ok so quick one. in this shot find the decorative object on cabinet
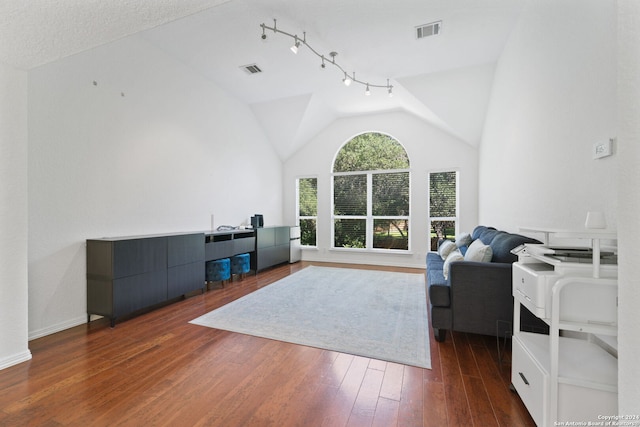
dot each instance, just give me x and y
(257, 221)
(568, 375)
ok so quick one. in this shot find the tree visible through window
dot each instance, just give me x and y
(371, 194)
(308, 210)
(443, 206)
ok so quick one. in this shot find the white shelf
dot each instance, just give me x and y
(595, 236)
(592, 328)
(580, 363)
(586, 233)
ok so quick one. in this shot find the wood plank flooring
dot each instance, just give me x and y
(156, 369)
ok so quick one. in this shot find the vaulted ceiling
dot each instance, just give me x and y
(445, 80)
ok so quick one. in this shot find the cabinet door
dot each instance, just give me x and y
(266, 237)
(282, 236)
(265, 258)
(185, 249)
(136, 256)
(282, 254)
(140, 291)
(529, 380)
(185, 278)
(244, 243)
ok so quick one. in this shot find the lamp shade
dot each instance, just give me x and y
(595, 220)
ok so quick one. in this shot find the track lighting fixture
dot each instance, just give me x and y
(347, 80)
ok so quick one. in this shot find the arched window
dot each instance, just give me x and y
(371, 194)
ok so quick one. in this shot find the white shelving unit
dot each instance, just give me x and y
(570, 374)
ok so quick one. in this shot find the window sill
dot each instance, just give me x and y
(372, 251)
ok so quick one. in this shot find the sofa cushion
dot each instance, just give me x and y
(479, 252)
(488, 235)
(453, 256)
(504, 242)
(479, 230)
(445, 248)
(463, 239)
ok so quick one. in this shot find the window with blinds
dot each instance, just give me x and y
(443, 206)
(307, 217)
(371, 189)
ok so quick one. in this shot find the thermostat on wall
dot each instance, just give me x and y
(602, 149)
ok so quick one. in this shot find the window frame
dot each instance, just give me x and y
(456, 218)
(306, 217)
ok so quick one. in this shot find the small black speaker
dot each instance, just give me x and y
(257, 221)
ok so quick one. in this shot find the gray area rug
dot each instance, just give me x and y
(376, 314)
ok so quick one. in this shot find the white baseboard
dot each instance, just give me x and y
(39, 333)
(15, 359)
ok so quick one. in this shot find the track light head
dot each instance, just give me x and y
(296, 45)
(367, 91)
(347, 80)
(264, 36)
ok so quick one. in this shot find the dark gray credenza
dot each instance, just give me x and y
(128, 274)
(272, 247)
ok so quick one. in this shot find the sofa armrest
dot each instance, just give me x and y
(481, 294)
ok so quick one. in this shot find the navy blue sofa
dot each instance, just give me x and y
(476, 295)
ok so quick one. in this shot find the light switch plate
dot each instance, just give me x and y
(602, 149)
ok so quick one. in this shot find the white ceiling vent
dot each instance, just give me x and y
(251, 69)
(426, 30)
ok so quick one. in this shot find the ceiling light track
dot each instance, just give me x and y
(347, 80)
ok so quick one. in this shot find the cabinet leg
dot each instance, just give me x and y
(113, 322)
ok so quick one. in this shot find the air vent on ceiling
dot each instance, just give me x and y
(251, 69)
(426, 30)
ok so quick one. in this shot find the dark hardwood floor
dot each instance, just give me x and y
(157, 369)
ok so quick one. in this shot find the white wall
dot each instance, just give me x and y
(629, 205)
(13, 217)
(164, 157)
(554, 96)
(429, 150)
